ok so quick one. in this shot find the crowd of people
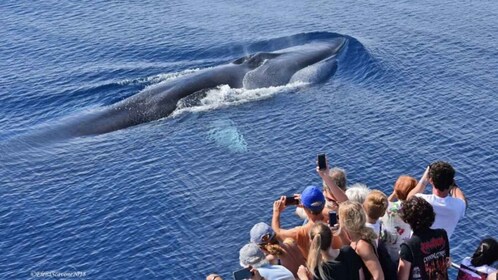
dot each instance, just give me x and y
(358, 233)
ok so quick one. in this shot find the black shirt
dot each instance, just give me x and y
(427, 251)
(345, 266)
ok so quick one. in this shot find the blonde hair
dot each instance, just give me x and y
(352, 217)
(403, 186)
(321, 239)
(375, 204)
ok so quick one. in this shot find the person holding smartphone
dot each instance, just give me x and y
(253, 259)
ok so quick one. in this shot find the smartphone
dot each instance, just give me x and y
(291, 200)
(332, 218)
(242, 274)
(322, 162)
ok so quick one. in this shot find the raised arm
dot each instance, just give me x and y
(337, 192)
(456, 192)
(421, 185)
(278, 207)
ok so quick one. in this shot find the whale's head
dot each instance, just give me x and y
(282, 66)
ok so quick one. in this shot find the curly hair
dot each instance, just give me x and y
(418, 213)
(442, 175)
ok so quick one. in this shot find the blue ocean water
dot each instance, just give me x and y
(175, 198)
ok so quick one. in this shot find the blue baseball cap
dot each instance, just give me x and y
(312, 198)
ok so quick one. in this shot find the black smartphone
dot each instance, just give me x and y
(332, 218)
(322, 162)
(291, 200)
(242, 274)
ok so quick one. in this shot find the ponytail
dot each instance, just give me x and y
(321, 239)
(314, 255)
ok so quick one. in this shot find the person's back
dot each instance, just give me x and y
(326, 263)
(449, 210)
(425, 255)
(394, 230)
(275, 272)
(344, 266)
(285, 253)
(313, 202)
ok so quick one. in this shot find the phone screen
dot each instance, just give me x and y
(290, 200)
(322, 163)
(242, 274)
(332, 218)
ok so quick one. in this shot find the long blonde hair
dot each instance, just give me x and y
(352, 217)
(321, 238)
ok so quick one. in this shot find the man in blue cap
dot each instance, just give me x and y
(312, 201)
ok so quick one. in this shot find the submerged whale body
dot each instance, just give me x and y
(263, 69)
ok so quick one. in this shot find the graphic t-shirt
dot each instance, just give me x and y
(427, 251)
(394, 230)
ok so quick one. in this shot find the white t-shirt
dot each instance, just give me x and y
(467, 274)
(449, 211)
(375, 227)
(275, 272)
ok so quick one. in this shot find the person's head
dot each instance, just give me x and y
(486, 253)
(403, 186)
(313, 200)
(338, 176)
(321, 239)
(442, 175)
(352, 218)
(263, 235)
(357, 192)
(213, 276)
(251, 255)
(375, 204)
(418, 213)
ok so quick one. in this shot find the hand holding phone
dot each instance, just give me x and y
(291, 200)
(322, 162)
(242, 274)
(332, 218)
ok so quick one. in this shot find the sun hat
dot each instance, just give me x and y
(259, 231)
(313, 199)
(250, 254)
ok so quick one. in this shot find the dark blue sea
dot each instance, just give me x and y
(175, 198)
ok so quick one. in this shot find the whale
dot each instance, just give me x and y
(315, 61)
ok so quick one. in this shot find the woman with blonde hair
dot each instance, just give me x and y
(394, 230)
(352, 219)
(324, 262)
